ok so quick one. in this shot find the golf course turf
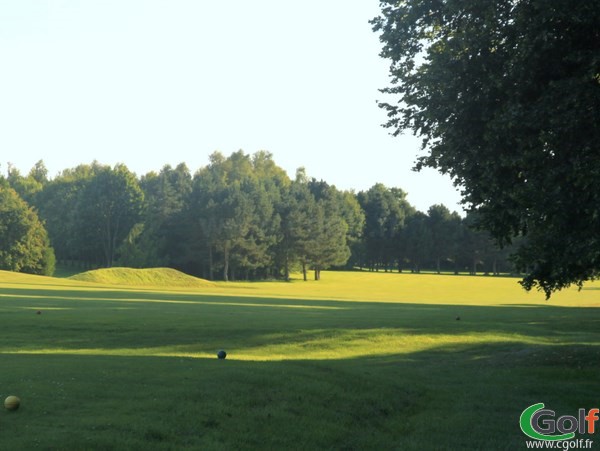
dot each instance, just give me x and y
(355, 361)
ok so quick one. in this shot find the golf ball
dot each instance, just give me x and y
(12, 403)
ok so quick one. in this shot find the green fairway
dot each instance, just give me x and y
(354, 361)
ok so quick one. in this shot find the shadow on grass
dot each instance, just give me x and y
(425, 376)
(454, 397)
(201, 324)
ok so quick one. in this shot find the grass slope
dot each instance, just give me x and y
(356, 361)
(152, 277)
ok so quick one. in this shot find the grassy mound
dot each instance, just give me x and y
(154, 277)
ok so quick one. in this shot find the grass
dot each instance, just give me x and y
(149, 277)
(355, 361)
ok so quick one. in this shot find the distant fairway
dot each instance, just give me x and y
(355, 361)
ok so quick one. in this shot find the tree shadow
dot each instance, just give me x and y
(452, 397)
(202, 323)
(420, 379)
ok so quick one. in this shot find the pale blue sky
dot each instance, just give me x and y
(154, 82)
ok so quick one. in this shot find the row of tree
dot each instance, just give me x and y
(238, 217)
(398, 236)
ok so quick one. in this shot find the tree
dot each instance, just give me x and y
(24, 243)
(39, 173)
(475, 244)
(259, 250)
(354, 217)
(57, 205)
(161, 238)
(385, 211)
(506, 96)
(109, 205)
(417, 239)
(222, 209)
(443, 233)
(232, 209)
(328, 246)
(28, 187)
(296, 211)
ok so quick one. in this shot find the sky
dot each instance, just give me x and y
(154, 82)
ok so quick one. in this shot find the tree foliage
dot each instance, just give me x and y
(248, 219)
(57, 205)
(160, 238)
(89, 211)
(242, 217)
(24, 243)
(397, 236)
(327, 242)
(385, 212)
(28, 187)
(108, 207)
(506, 96)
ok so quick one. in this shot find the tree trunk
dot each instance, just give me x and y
(287, 269)
(113, 247)
(226, 263)
(304, 271)
(317, 273)
(210, 263)
(106, 243)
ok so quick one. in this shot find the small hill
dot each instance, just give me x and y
(152, 277)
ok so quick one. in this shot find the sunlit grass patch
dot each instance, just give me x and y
(307, 345)
(420, 288)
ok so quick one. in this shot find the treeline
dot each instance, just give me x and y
(240, 217)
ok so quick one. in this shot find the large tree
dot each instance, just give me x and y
(444, 229)
(329, 226)
(232, 212)
(385, 211)
(506, 96)
(109, 206)
(416, 241)
(24, 243)
(296, 211)
(57, 206)
(160, 239)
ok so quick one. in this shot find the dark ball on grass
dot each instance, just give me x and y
(221, 354)
(458, 318)
(38, 313)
